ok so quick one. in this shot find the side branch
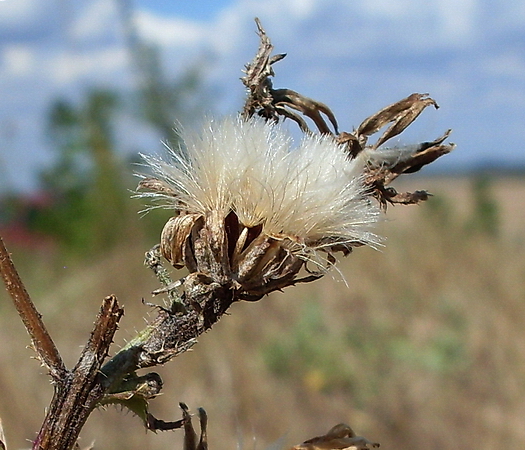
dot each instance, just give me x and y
(32, 319)
(173, 333)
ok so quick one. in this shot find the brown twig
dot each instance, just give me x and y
(32, 319)
(78, 393)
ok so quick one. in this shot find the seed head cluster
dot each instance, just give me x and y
(312, 192)
(252, 209)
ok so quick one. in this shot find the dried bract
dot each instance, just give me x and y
(271, 103)
(190, 436)
(383, 164)
(401, 114)
(257, 78)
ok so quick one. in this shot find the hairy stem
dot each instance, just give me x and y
(171, 334)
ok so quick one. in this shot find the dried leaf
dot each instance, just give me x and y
(402, 113)
(339, 437)
(307, 106)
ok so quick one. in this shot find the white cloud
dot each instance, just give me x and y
(96, 18)
(169, 31)
(457, 20)
(100, 67)
(25, 21)
(510, 63)
(302, 8)
(389, 9)
(20, 12)
(17, 60)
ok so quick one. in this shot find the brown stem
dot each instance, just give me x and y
(77, 394)
(167, 336)
(172, 333)
(32, 319)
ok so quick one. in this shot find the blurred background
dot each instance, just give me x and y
(417, 345)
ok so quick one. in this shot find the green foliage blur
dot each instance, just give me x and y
(87, 208)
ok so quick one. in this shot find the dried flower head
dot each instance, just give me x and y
(252, 209)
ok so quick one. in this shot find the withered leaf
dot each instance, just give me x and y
(401, 113)
(307, 106)
(339, 437)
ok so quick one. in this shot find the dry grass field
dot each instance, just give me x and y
(420, 345)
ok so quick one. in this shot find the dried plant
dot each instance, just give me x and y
(252, 213)
(339, 437)
(383, 165)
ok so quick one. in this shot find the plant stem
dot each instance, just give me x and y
(32, 319)
(78, 393)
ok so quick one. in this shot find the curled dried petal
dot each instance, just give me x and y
(307, 106)
(174, 235)
(401, 113)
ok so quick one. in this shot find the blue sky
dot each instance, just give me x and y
(198, 10)
(356, 56)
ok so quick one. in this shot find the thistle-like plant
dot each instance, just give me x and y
(252, 213)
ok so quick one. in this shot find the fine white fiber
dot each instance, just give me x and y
(311, 192)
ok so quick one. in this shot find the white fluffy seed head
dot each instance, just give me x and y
(311, 192)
